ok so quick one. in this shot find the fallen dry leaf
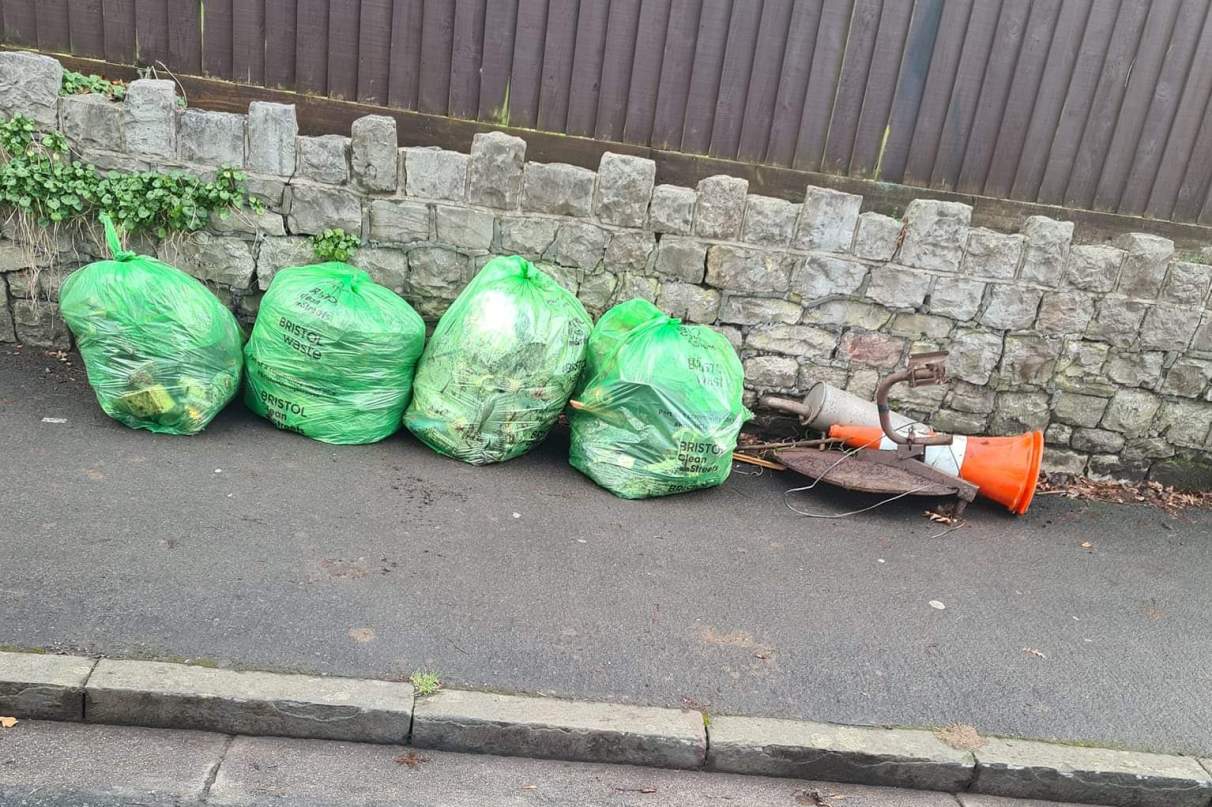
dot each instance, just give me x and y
(1031, 651)
(412, 759)
(1087, 545)
(960, 736)
(943, 518)
(1151, 493)
(530, 787)
(7, 722)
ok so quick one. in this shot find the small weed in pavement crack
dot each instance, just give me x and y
(425, 683)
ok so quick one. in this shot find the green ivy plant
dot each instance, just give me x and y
(79, 84)
(40, 180)
(335, 245)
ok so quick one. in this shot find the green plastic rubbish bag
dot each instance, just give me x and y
(332, 354)
(162, 352)
(659, 405)
(499, 368)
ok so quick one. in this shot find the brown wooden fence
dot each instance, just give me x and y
(1098, 104)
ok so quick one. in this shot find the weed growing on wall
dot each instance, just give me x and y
(79, 84)
(335, 245)
(48, 194)
(39, 179)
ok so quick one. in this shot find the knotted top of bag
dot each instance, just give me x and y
(112, 241)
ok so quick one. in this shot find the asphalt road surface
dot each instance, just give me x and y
(248, 546)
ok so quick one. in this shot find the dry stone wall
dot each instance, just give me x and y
(1106, 347)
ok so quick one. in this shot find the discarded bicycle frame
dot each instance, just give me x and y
(875, 470)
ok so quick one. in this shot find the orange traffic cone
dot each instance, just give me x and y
(1005, 469)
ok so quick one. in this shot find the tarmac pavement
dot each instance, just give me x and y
(247, 546)
(68, 765)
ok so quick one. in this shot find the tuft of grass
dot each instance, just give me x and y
(425, 683)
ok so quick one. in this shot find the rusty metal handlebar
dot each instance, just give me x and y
(923, 370)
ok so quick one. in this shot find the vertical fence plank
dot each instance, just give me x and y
(616, 69)
(151, 31)
(907, 98)
(216, 38)
(343, 49)
(311, 46)
(526, 76)
(119, 29)
(466, 58)
(936, 97)
(556, 76)
(827, 56)
(646, 70)
(437, 46)
(676, 63)
(1205, 214)
(1067, 136)
(1046, 105)
(734, 79)
(248, 41)
(588, 52)
(1000, 69)
(1100, 126)
(703, 92)
(848, 95)
(793, 81)
(760, 96)
(871, 132)
(1003, 159)
(1177, 159)
(184, 36)
(965, 93)
(500, 28)
(281, 18)
(21, 22)
(374, 51)
(404, 72)
(87, 29)
(1162, 61)
(54, 33)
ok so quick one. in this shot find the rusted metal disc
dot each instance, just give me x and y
(856, 473)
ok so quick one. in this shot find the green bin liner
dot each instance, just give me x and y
(162, 352)
(659, 406)
(332, 354)
(500, 366)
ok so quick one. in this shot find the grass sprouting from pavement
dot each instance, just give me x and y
(425, 683)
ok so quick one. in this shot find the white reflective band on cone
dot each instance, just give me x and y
(948, 459)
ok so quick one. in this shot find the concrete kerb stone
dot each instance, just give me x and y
(1038, 770)
(162, 695)
(36, 686)
(803, 750)
(514, 725)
